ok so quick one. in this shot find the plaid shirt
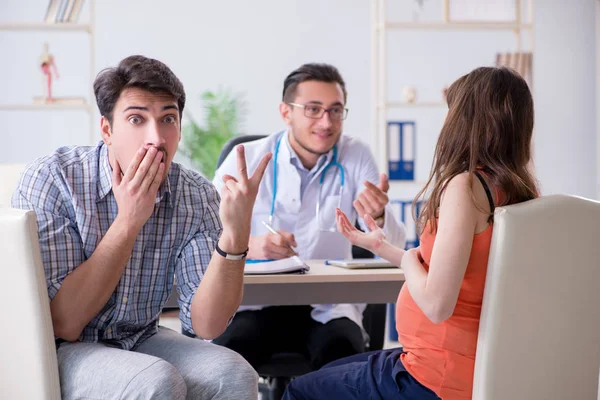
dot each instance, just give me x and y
(71, 194)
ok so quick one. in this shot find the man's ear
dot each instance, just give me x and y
(105, 130)
(286, 113)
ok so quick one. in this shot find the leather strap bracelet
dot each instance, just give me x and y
(235, 257)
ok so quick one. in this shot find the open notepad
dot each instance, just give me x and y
(286, 265)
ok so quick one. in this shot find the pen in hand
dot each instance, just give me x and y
(273, 231)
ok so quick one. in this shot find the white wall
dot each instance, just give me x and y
(247, 46)
(564, 92)
(598, 104)
(251, 47)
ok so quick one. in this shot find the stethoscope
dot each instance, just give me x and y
(332, 163)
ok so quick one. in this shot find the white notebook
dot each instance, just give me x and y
(361, 263)
(286, 265)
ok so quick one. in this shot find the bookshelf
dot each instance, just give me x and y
(46, 107)
(43, 26)
(426, 113)
(381, 45)
(441, 26)
(67, 105)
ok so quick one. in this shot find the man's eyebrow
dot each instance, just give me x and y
(136, 108)
(167, 107)
(171, 107)
(337, 103)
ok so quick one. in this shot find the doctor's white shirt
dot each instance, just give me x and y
(296, 202)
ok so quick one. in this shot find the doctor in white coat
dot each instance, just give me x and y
(314, 170)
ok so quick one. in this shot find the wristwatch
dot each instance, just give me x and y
(234, 257)
(379, 220)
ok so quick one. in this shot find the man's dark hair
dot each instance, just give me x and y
(136, 72)
(311, 72)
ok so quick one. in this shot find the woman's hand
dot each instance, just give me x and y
(371, 241)
(412, 256)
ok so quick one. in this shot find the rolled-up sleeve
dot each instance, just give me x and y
(41, 190)
(195, 256)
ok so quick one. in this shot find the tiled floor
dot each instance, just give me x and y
(170, 319)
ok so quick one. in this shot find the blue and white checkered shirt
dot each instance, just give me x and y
(71, 194)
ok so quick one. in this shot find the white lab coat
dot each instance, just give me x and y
(297, 214)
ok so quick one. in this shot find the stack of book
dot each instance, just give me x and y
(63, 11)
(520, 62)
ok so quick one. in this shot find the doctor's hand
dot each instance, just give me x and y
(373, 199)
(271, 246)
(237, 202)
(371, 241)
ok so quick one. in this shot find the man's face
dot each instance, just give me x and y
(314, 135)
(142, 119)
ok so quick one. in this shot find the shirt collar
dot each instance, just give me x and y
(104, 185)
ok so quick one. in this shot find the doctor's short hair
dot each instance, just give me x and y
(136, 72)
(311, 72)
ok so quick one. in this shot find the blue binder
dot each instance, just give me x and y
(404, 213)
(401, 147)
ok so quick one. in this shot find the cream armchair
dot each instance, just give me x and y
(539, 336)
(29, 368)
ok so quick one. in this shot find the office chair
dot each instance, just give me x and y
(282, 367)
(234, 142)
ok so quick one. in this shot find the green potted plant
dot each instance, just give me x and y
(223, 112)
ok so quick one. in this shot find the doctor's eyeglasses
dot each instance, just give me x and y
(336, 113)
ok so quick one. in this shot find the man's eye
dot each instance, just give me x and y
(135, 120)
(313, 109)
(170, 119)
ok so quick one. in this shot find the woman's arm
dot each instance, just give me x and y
(436, 292)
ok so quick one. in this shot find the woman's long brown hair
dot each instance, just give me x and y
(489, 128)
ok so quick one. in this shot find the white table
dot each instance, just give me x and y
(324, 284)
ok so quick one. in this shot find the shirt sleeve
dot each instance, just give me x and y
(367, 170)
(42, 190)
(195, 256)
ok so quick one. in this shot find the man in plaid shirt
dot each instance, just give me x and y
(116, 223)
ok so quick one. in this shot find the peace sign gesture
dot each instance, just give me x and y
(237, 202)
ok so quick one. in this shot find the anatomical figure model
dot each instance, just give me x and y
(48, 69)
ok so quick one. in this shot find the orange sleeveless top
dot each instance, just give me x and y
(442, 357)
